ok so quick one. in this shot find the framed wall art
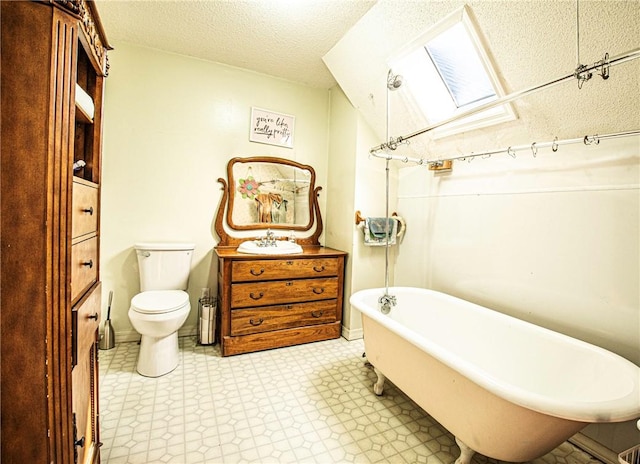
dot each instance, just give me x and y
(271, 128)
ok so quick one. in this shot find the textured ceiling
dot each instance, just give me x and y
(283, 38)
(531, 42)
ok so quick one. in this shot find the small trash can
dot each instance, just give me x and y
(630, 456)
(207, 321)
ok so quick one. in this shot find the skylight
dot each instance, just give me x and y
(459, 66)
(447, 71)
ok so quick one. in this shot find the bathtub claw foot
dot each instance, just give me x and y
(378, 387)
(466, 453)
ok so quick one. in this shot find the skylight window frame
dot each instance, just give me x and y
(500, 114)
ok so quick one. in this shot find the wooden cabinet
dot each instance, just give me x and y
(276, 301)
(51, 294)
(85, 299)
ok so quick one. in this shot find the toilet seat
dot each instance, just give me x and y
(159, 301)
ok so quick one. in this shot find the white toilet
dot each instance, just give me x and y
(162, 306)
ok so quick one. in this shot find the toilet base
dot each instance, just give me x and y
(158, 356)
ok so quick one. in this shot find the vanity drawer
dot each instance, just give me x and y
(86, 317)
(265, 269)
(84, 266)
(84, 216)
(284, 291)
(268, 318)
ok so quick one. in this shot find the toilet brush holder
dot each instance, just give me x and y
(108, 339)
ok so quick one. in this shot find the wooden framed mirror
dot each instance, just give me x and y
(266, 192)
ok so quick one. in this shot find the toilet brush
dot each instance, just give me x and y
(108, 339)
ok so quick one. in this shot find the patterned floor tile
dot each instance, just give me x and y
(311, 403)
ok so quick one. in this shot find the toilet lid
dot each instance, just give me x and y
(159, 301)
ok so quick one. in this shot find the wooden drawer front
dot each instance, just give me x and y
(244, 271)
(268, 318)
(84, 266)
(283, 291)
(84, 218)
(86, 317)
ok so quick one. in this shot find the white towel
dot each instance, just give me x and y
(84, 101)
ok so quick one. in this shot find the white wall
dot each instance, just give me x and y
(171, 123)
(343, 126)
(357, 183)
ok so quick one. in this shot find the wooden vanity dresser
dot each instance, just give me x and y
(275, 300)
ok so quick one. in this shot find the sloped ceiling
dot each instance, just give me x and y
(283, 38)
(531, 42)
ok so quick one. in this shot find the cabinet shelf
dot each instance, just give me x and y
(82, 116)
(86, 182)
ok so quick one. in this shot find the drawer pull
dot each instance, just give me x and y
(88, 263)
(289, 284)
(93, 316)
(256, 322)
(254, 297)
(254, 273)
(318, 291)
(289, 263)
(288, 307)
(317, 313)
(88, 210)
(318, 268)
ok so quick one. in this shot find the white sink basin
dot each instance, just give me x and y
(282, 247)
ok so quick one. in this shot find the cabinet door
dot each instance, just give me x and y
(84, 267)
(269, 318)
(84, 216)
(294, 268)
(84, 376)
(283, 291)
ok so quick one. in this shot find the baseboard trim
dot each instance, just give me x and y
(594, 448)
(351, 334)
(133, 336)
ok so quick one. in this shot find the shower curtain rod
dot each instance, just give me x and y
(534, 147)
(580, 73)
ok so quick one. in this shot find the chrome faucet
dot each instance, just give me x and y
(386, 302)
(269, 240)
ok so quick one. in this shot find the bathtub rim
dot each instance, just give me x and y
(618, 409)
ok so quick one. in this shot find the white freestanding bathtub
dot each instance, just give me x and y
(505, 388)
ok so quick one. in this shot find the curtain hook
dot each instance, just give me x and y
(604, 69)
(511, 152)
(534, 149)
(591, 140)
(554, 146)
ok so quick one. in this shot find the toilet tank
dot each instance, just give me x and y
(164, 266)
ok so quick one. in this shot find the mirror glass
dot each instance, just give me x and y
(270, 193)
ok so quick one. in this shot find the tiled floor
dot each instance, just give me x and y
(305, 404)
